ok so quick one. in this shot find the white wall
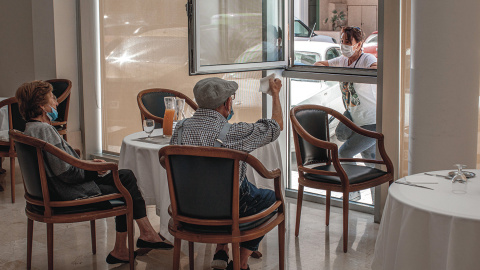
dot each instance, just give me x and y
(41, 45)
(16, 47)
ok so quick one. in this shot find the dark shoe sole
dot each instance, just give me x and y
(158, 245)
(113, 260)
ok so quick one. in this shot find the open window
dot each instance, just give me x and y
(229, 36)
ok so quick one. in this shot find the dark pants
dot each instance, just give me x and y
(253, 200)
(129, 181)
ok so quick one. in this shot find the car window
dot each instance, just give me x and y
(332, 53)
(301, 30)
(372, 39)
(306, 58)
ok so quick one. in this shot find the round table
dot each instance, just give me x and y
(429, 229)
(142, 159)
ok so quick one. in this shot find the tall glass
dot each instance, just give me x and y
(169, 116)
(459, 181)
(179, 115)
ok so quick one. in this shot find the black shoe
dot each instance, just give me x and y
(230, 266)
(220, 260)
(112, 260)
(157, 245)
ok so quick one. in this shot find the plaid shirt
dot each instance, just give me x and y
(203, 128)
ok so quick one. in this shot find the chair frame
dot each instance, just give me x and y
(236, 236)
(65, 96)
(50, 217)
(144, 113)
(11, 152)
(345, 187)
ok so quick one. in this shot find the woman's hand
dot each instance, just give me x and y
(321, 63)
(101, 161)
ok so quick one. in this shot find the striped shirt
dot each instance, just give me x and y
(203, 128)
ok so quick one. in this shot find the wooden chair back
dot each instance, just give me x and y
(151, 104)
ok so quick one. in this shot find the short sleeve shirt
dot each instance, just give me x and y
(365, 112)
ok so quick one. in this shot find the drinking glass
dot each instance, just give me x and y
(169, 115)
(459, 180)
(179, 115)
(148, 126)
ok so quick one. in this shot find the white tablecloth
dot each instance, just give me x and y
(430, 229)
(142, 159)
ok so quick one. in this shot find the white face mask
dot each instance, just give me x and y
(347, 50)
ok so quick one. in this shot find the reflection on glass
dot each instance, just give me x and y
(239, 32)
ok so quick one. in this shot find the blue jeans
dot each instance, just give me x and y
(253, 200)
(357, 143)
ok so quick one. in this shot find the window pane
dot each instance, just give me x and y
(361, 100)
(142, 50)
(328, 18)
(238, 32)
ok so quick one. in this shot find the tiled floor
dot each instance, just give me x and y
(317, 247)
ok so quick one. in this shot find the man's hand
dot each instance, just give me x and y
(101, 161)
(275, 86)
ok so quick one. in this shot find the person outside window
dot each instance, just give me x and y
(360, 100)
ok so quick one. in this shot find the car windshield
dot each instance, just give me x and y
(301, 30)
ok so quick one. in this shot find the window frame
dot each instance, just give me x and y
(193, 53)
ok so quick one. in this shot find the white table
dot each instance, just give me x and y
(430, 229)
(142, 159)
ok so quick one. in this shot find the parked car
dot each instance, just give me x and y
(303, 32)
(371, 44)
(307, 53)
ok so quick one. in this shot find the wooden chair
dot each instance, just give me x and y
(204, 193)
(151, 105)
(40, 208)
(61, 89)
(310, 128)
(7, 147)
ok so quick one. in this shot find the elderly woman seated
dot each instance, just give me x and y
(38, 105)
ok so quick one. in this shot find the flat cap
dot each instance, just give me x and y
(210, 93)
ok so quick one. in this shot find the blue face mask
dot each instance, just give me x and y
(231, 114)
(52, 115)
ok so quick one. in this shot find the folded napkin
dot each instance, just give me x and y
(421, 179)
(265, 84)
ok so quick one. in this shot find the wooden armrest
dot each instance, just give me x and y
(81, 164)
(258, 166)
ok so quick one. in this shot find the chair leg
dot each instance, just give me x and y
(345, 221)
(93, 235)
(176, 253)
(327, 208)
(390, 182)
(190, 255)
(236, 256)
(50, 245)
(12, 176)
(299, 209)
(131, 247)
(281, 245)
(29, 243)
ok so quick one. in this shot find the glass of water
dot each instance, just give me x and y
(459, 180)
(148, 126)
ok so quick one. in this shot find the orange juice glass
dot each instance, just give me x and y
(169, 115)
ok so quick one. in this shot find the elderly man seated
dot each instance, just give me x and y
(209, 127)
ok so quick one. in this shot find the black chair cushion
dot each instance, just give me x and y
(356, 174)
(78, 209)
(315, 122)
(155, 104)
(225, 229)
